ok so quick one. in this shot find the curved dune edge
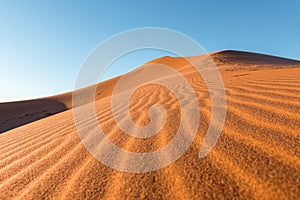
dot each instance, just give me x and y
(256, 156)
(16, 114)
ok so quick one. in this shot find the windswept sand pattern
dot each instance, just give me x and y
(257, 155)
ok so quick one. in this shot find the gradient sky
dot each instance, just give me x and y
(43, 43)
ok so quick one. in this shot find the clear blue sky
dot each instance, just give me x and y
(43, 43)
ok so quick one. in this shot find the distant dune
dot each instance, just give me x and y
(257, 155)
(251, 58)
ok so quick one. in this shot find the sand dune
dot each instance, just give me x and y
(256, 157)
(15, 114)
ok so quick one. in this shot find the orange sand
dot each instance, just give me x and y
(257, 155)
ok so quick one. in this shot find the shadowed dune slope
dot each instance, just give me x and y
(229, 56)
(257, 155)
(16, 114)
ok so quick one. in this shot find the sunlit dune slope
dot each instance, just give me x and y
(15, 114)
(257, 155)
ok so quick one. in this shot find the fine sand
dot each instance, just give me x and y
(257, 155)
